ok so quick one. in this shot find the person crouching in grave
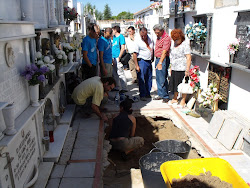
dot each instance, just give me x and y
(90, 93)
(122, 136)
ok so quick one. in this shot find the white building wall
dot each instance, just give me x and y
(13, 87)
(171, 24)
(150, 17)
(239, 92)
(10, 10)
(222, 33)
(203, 7)
(165, 4)
(41, 17)
(79, 11)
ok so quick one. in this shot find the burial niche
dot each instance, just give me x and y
(62, 98)
(48, 118)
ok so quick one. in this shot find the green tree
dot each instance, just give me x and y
(89, 8)
(107, 14)
(98, 15)
(125, 15)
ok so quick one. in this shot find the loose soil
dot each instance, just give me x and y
(202, 181)
(152, 130)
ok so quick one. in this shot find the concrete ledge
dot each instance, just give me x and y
(44, 172)
(55, 148)
(68, 114)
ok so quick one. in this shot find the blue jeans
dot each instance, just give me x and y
(145, 77)
(161, 78)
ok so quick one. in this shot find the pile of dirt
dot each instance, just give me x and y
(202, 181)
(152, 130)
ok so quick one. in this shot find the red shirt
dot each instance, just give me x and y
(162, 43)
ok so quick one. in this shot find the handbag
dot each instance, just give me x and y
(125, 58)
(185, 86)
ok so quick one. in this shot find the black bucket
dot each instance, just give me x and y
(150, 167)
(175, 146)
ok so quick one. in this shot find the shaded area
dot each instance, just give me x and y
(152, 130)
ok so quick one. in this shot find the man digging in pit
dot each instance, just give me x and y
(90, 94)
(122, 136)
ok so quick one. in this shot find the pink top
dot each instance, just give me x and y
(162, 43)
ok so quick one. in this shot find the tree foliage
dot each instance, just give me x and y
(125, 15)
(98, 15)
(107, 14)
(89, 8)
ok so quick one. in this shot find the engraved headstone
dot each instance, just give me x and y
(216, 123)
(229, 133)
(245, 125)
(23, 148)
(243, 33)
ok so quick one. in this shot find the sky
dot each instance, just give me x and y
(118, 6)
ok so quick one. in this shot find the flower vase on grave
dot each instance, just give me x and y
(57, 66)
(65, 63)
(34, 94)
(9, 118)
(70, 57)
(45, 141)
(67, 22)
(41, 90)
(232, 57)
(202, 47)
(192, 44)
(215, 106)
(51, 77)
(198, 93)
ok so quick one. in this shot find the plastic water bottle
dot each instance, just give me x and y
(117, 99)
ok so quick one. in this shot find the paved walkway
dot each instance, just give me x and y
(80, 164)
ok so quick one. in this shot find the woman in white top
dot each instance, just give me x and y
(180, 59)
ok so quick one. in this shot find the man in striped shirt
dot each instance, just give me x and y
(162, 47)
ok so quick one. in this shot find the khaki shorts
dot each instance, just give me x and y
(128, 144)
(109, 68)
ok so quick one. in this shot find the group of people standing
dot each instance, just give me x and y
(106, 52)
(166, 51)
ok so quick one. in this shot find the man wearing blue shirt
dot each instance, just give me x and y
(89, 53)
(105, 53)
(118, 47)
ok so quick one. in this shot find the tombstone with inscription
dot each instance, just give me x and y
(243, 33)
(19, 157)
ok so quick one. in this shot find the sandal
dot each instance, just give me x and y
(182, 106)
(157, 98)
(171, 102)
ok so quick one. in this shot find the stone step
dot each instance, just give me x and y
(68, 114)
(45, 169)
(55, 148)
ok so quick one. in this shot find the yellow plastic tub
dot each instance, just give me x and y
(218, 167)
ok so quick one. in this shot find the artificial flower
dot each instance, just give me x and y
(34, 75)
(194, 76)
(234, 46)
(209, 95)
(70, 14)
